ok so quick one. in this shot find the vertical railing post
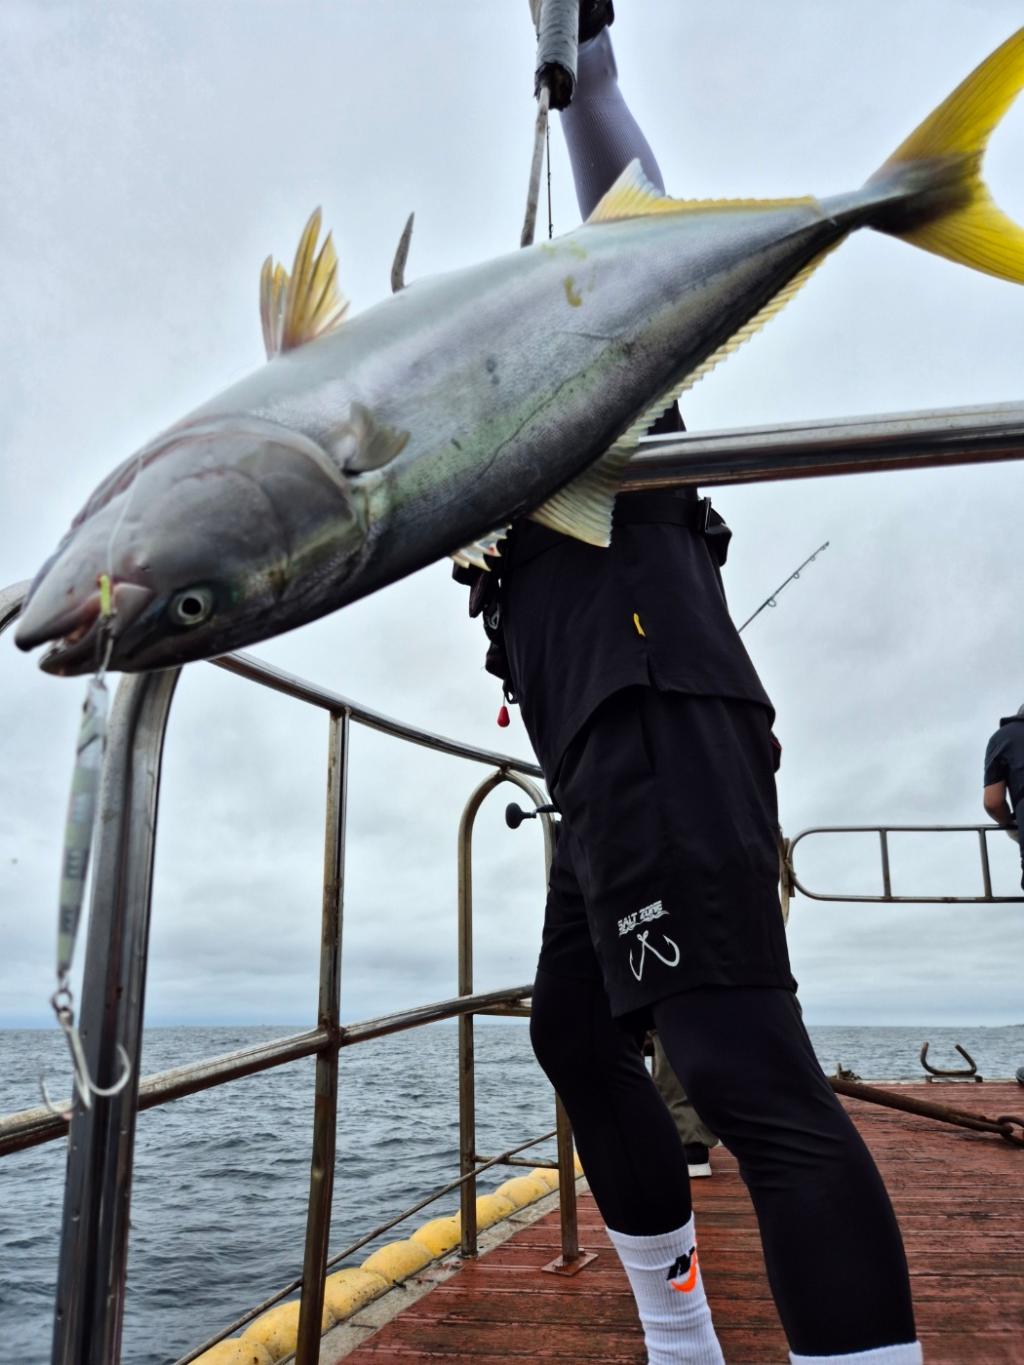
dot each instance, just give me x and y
(325, 1116)
(883, 839)
(101, 1142)
(467, 1076)
(567, 1186)
(986, 871)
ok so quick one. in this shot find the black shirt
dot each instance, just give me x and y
(1004, 760)
(581, 622)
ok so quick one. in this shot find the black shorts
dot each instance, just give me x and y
(665, 875)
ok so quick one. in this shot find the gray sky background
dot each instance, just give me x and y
(152, 153)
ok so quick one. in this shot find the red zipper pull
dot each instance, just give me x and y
(503, 717)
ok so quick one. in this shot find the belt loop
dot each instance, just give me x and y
(703, 515)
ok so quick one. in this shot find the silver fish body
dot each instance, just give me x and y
(462, 402)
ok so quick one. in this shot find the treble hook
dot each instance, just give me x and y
(84, 1085)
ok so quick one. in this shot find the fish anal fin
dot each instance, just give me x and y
(633, 196)
(485, 548)
(583, 508)
(306, 304)
(363, 443)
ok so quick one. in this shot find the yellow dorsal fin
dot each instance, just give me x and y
(298, 307)
(633, 196)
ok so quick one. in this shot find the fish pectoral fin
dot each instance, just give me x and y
(633, 196)
(306, 304)
(583, 508)
(485, 548)
(362, 443)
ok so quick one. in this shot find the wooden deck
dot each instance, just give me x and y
(960, 1201)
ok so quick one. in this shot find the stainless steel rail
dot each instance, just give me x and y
(93, 1257)
(467, 1071)
(851, 445)
(887, 898)
(246, 666)
(97, 1196)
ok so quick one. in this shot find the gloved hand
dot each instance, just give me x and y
(594, 16)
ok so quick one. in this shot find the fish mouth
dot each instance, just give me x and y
(78, 638)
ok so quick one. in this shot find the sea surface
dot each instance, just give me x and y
(221, 1178)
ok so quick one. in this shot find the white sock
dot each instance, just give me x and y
(669, 1292)
(909, 1353)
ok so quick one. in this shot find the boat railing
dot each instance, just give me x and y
(988, 897)
(92, 1270)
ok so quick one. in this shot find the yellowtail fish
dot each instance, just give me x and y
(366, 448)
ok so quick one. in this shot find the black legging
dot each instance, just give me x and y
(831, 1243)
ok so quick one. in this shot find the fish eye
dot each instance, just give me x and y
(191, 607)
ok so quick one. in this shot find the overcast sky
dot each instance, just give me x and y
(153, 152)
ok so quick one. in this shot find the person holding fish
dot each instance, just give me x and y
(654, 733)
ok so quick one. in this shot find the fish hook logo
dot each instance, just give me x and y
(646, 948)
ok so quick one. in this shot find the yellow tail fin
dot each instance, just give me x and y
(961, 220)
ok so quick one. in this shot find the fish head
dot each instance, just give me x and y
(196, 547)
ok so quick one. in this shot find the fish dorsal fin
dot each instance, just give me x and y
(298, 307)
(583, 508)
(485, 548)
(633, 196)
(363, 443)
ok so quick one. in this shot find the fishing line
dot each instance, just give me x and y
(547, 161)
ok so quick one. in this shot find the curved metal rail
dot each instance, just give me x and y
(887, 898)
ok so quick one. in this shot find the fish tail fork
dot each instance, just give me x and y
(940, 201)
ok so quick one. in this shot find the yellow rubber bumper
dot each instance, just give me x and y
(278, 1330)
(235, 1352)
(548, 1175)
(440, 1235)
(347, 1290)
(522, 1190)
(491, 1208)
(398, 1260)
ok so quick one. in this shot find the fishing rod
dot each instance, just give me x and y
(770, 601)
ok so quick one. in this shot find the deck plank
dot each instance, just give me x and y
(959, 1197)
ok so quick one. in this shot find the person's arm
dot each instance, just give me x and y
(997, 808)
(601, 134)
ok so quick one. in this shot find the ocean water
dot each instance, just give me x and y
(221, 1178)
